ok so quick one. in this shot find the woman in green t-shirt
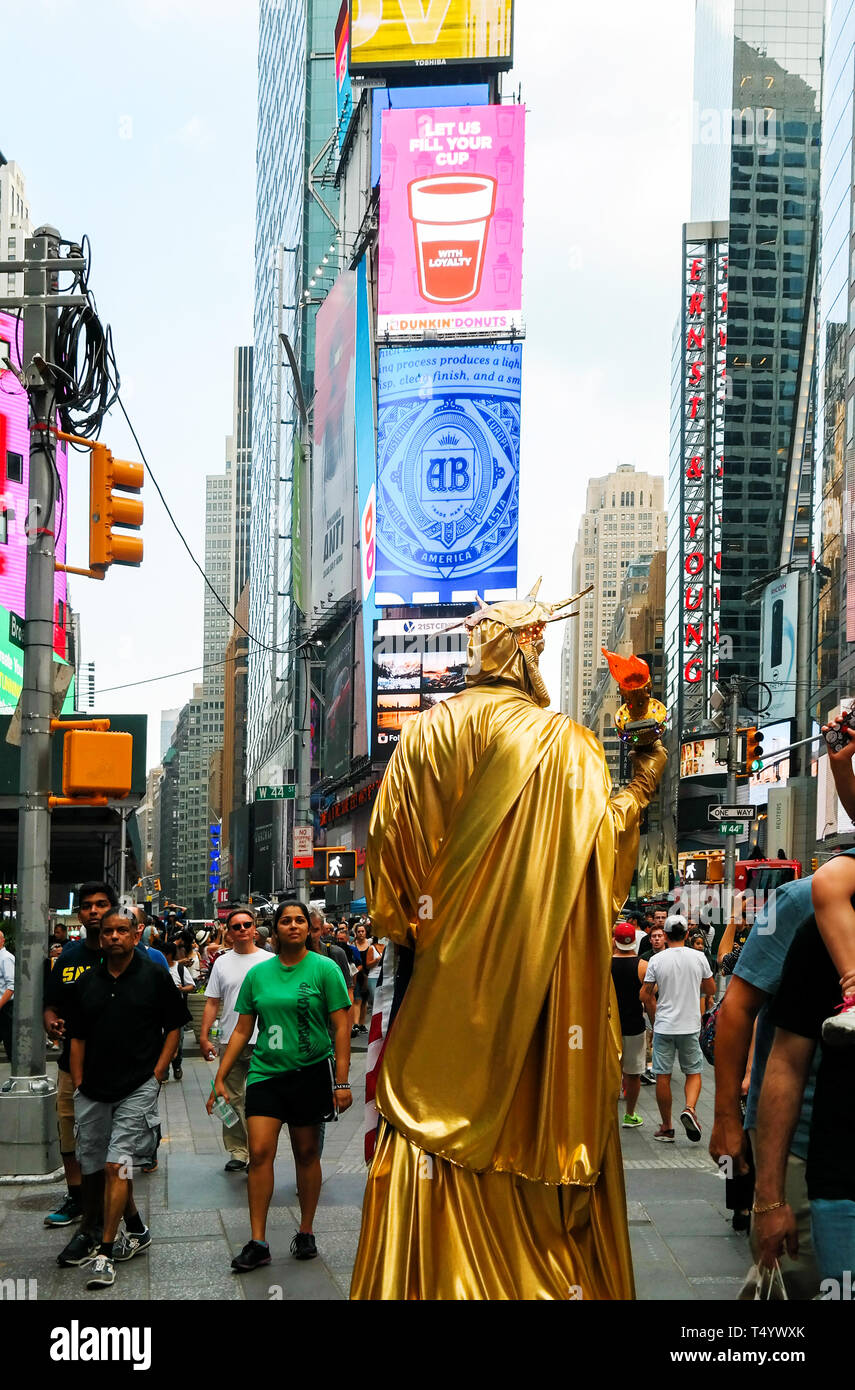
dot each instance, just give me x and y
(296, 997)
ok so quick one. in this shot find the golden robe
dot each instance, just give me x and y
(497, 853)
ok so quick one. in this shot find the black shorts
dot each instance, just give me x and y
(303, 1097)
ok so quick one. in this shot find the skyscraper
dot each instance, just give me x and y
(15, 224)
(769, 414)
(743, 369)
(624, 518)
(295, 224)
(833, 660)
(239, 466)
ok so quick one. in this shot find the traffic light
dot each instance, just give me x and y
(753, 750)
(333, 865)
(106, 510)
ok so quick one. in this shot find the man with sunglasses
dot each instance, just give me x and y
(227, 975)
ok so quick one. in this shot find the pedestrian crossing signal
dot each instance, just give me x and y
(333, 865)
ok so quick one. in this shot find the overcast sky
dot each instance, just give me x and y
(137, 126)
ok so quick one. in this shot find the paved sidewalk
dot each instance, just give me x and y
(198, 1213)
(682, 1241)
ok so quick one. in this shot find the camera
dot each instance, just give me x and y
(836, 737)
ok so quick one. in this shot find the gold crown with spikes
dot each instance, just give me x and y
(525, 617)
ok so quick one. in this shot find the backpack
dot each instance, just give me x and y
(707, 1035)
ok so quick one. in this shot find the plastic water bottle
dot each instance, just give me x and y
(226, 1112)
(214, 1032)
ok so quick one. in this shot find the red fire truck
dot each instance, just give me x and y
(765, 875)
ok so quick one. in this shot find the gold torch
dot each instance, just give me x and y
(640, 720)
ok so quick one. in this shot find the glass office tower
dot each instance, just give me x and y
(296, 117)
(834, 589)
(773, 215)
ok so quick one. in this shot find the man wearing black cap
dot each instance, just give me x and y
(628, 974)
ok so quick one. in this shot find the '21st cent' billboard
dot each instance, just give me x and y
(448, 436)
(451, 222)
(430, 33)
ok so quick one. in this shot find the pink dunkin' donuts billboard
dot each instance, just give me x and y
(451, 221)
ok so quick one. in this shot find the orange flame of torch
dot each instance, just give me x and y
(630, 672)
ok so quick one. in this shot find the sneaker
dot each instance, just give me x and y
(303, 1246)
(664, 1136)
(839, 1030)
(131, 1243)
(648, 1079)
(632, 1121)
(66, 1215)
(236, 1165)
(103, 1273)
(253, 1255)
(178, 1072)
(354, 1032)
(79, 1249)
(689, 1121)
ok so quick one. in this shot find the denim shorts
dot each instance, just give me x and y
(686, 1046)
(125, 1131)
(833, 1228)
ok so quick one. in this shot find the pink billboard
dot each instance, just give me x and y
(451, 222)
(14, 490)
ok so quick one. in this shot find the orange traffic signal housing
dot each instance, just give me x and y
(107, 510)
(97, 764)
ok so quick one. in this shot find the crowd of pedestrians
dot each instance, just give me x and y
(283, 996)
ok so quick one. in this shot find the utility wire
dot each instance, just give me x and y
(265, 646)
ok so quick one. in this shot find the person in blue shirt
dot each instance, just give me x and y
(752, 989)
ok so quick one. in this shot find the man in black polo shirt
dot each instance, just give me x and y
(124, 1025)
(85, 1199)
(808, 993)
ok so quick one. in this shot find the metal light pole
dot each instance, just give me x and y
(734, 693)
(303, 700)
(28, 1141)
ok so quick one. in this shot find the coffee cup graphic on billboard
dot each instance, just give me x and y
(451, 222)
(451, 217)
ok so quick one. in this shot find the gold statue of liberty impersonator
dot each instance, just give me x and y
(498, 855)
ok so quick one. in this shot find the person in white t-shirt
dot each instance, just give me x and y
(184, 984)
(680, 976)
(227, 975)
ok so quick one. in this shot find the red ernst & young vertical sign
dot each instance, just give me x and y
(704, 350)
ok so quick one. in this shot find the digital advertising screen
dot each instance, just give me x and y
(451, 221)
(15, 490)
(407, 99)
(779, 624)
(338, 712)
(448, 449)
(334, 462)
(416, 666)
(366, 472)
(343, 87)
(430, 33)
